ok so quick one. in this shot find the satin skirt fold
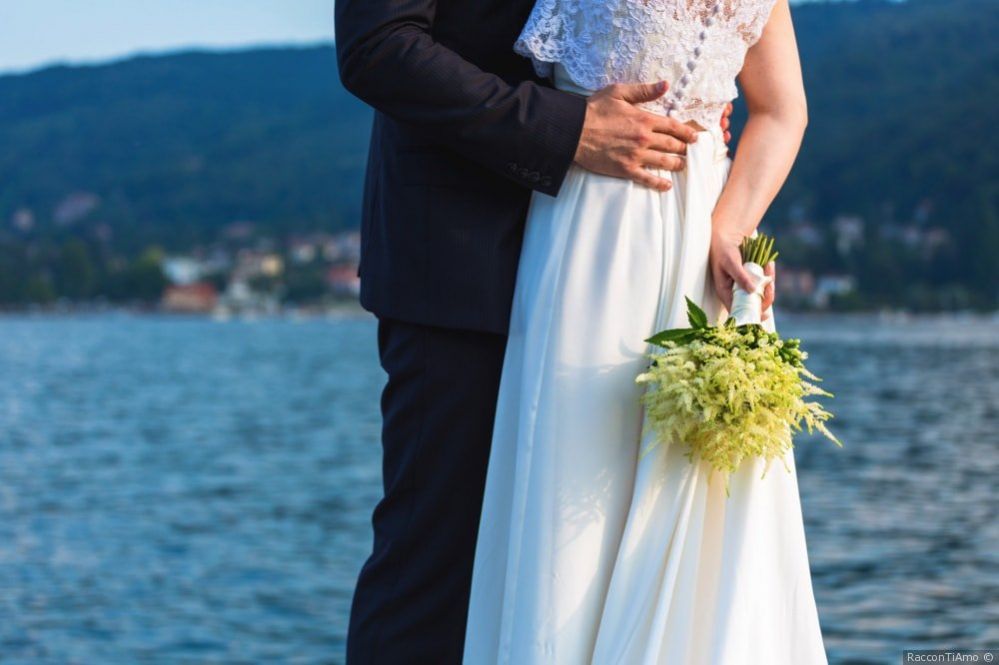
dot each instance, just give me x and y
(589, 552)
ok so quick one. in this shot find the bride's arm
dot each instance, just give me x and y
(775, 97)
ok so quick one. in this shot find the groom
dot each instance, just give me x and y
(463, 132)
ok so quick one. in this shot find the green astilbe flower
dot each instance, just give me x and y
(730, 392)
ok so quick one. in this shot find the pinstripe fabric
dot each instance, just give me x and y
(463, 132)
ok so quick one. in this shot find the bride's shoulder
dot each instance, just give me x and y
(699, 12)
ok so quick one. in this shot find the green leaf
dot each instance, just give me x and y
(696, 315)
(678, 335)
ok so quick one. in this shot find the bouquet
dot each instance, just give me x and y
(732, 391)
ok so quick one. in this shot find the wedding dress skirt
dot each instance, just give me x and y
(589, 552)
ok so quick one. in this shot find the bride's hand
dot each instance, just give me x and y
(770, 270)
(726, 265)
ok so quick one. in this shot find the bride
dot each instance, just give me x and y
(589, 552)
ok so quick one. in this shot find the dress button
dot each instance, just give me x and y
(709, 22)
(691, 65)
(697, 51)
(703, 35)
(684, 80)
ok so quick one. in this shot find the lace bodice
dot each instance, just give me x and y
(698, 46)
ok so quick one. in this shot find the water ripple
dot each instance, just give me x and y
(182, 491)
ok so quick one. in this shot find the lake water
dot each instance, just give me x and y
(186, 491)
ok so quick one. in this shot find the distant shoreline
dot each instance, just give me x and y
(346, 310)
(339, 310)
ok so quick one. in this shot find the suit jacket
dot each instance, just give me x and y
(463, 131)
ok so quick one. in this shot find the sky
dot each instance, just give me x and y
(35, 33)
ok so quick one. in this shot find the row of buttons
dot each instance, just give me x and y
(678, 91)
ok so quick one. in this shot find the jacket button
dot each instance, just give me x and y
(512, 167)
(535, 176)
(546, 182)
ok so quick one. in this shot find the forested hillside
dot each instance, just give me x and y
(902, 100)
(168, 150)
(176, 146)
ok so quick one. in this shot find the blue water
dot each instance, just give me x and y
(186, 491)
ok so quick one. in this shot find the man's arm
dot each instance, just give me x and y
(389, 59)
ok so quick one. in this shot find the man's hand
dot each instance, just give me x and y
(726, 123)
(621, 140)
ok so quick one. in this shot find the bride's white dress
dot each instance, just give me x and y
(587, 551)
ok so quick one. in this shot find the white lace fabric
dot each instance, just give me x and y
(698, 46)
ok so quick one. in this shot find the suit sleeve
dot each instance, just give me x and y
(388, 58)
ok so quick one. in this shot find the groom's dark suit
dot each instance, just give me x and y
(463, 132)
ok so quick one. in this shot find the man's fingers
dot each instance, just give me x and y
(726, 124)
(650, 180)
(638, 93)
(667, 144)
(662, 160)
(671, 127)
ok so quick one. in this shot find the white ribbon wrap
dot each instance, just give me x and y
(748, 307)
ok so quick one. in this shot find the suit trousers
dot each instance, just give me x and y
(411, 600)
